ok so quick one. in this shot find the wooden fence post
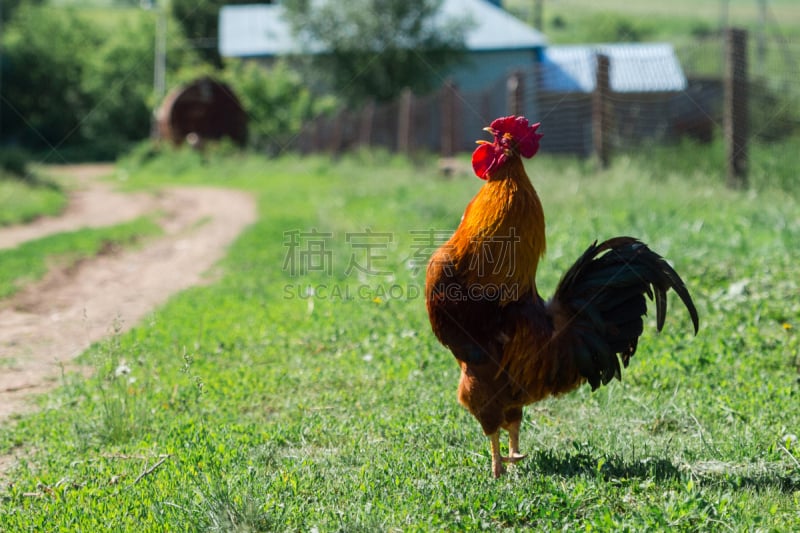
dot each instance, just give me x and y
(734, 118)
(404, 122)
(317, 144)
(449, 131)
(601, 114)
(365, 126)
(335, 139)
(515, 85)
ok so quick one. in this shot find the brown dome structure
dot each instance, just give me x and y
(203, 110)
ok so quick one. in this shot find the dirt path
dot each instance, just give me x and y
(51, 322)
(91, 204)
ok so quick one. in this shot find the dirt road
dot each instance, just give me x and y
(49, 323)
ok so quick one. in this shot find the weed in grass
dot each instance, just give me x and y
(240, 502)
(117, 393)
(190, 396)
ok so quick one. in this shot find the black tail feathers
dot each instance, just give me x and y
(604, 296)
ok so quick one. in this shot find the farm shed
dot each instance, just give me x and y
(205, 109)
(645, 79)
(496, 41)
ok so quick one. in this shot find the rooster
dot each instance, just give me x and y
(513, 347)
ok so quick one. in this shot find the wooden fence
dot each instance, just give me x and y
(445, 122)
(449, 121)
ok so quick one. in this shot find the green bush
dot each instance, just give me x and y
(44, 63)
(276, 100)
(611, 28)
(118, 80)
(774, 109)
(14, 162)
(74, 89)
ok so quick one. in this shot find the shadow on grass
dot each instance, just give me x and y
(734, 476)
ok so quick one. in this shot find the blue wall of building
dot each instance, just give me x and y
(483, 69)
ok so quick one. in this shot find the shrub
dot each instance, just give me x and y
(44, 52)
(276, 100)
(81, 89)
(610, 28)
(14, 162)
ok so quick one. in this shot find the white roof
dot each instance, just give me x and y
(254, 30)
(493, 28)
(262, 30)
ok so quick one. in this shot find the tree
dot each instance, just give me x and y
(373, 49)
(199, 20)
(43, 103)
(117, 79)
(78, 88)
(276, 101)
(7, 7)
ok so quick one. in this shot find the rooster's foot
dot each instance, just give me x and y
(514, 457)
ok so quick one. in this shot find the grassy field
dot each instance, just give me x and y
(304, 390)
(578, 20)
(22, 202)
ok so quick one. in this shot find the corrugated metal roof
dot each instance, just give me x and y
(261, 29)
(633, 67)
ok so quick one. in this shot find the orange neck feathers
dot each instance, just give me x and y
(502, 234)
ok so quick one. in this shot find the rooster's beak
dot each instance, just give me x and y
(490, 130)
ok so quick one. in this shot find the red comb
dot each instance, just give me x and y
(523, 134)
(512, 134)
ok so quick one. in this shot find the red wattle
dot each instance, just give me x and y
(483, 159)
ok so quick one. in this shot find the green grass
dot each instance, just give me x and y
(662, 20)
(31, 260)
(21, 201)
(247, 405)
(771, 165)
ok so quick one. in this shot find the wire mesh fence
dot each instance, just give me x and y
(449, 121)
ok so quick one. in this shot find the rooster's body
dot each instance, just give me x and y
(513, 347)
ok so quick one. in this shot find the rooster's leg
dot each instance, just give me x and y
(497, 460)
(513, 444)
